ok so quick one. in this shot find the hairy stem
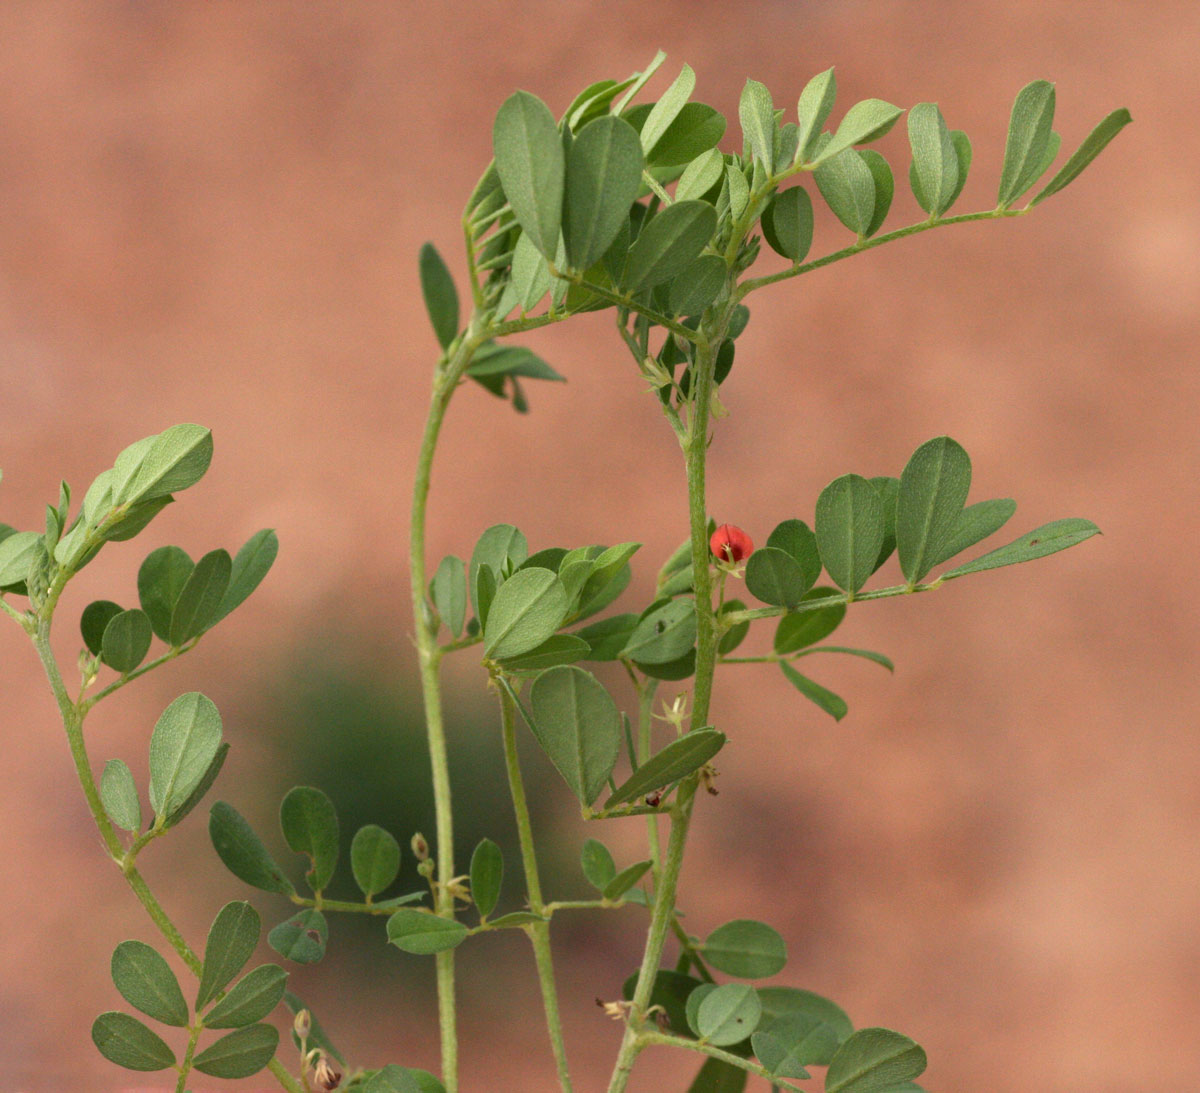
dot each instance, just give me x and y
(539, 932)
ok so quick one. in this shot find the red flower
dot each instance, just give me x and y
(730, 544)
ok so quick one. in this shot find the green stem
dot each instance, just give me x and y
(186, 1066)
(646, 693)
(732, 618)
(753, 283)
(539, 932)
(649, 1039)
(86, 704)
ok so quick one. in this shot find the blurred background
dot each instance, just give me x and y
(211, 212)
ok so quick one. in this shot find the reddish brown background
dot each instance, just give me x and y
(210, 212)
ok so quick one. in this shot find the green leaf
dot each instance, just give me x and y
(309, 823)
(147, 983)
(866, 654)
(182, 746)
(756, 112)
(787, 223)
(161, 579)
(555, 650)
(746, 949)
(848, 187)
(864, 122)
(119, 795)
(698, 285)
(786, 1045)
(422, 933)
(874, 1060)
(251, 999)
(701, 175)
(1047, 539)
(497, 361)
(487, 873)
(664, 635)
(441, 297)
(96, 616)
(673, 670)
(812, 111)
(199, 604)
(850, 530)
(626, 879)
(515, 919)
(718, 1076)
(231, 942)
(126, 640)
(604, 175)
(1095, 143)
(889, 493)
(975, 523)
(775, 577)
(502, 547)
(796, 538)
(735, 635)
(176, 459)
(239, 1054)
(450, 593)
(677, 760)
(180, 811)
(729, 1014)
(124, 1040)
(17, 552)
(692, 1010)
(832, 704)
(885, 187)
(531, 164)
(301, 938)
(935, 159)
(933, 490)
(598, 865)
(374, 859)
(484, 591)
(1028, 136)
(526, 610)
(667, 109)
(802, 628)
(396, 1079)
(242, 851)
(530, 277)
(251, 565)
(134, 520)
(697, 129)
(669, 243)
(578, 726)
(779, 1002)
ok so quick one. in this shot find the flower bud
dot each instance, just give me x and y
(730, 544)
(302, 1024)
(420, 847)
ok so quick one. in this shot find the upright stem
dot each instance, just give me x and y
(663, 914)
(539, 932)
(429, 656)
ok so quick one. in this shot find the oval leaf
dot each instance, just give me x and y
(1048, 539)
(746, 948)
(487, 872)
(176, 459)
(850, 531)
(441, 297)
(531, 164)
(885, 188)
(848, 187)
(598, 865)
(124, 1040)
(864, 122)
(664, 635)
(119, 795)
(935, 160)
(787, 223)
(374, 859)
(199, 602)
(231, 942)
(677, 760)
(787, 1044)
(729, 1014)
(1028, 136)
(161, 579)
(147, 983)
(974, 524)
(309, 823)
(874, 1060)
(700, 176)
(832, 704)
(799, 629)
(301, 938)
(126, 640)
(242, 851)
(812, 111)
(96, 616)
(184, 742)
(239, 1054)
(933, 490)
(251, 565)
(250, 1000)
(778, 1002)
(450, 593)
(578, 726)
(1097, 140)
(527, 609)
(626, 879)
(669, 243)
(604, 175)
(666, 110)
(422, 933)
(775, 577)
